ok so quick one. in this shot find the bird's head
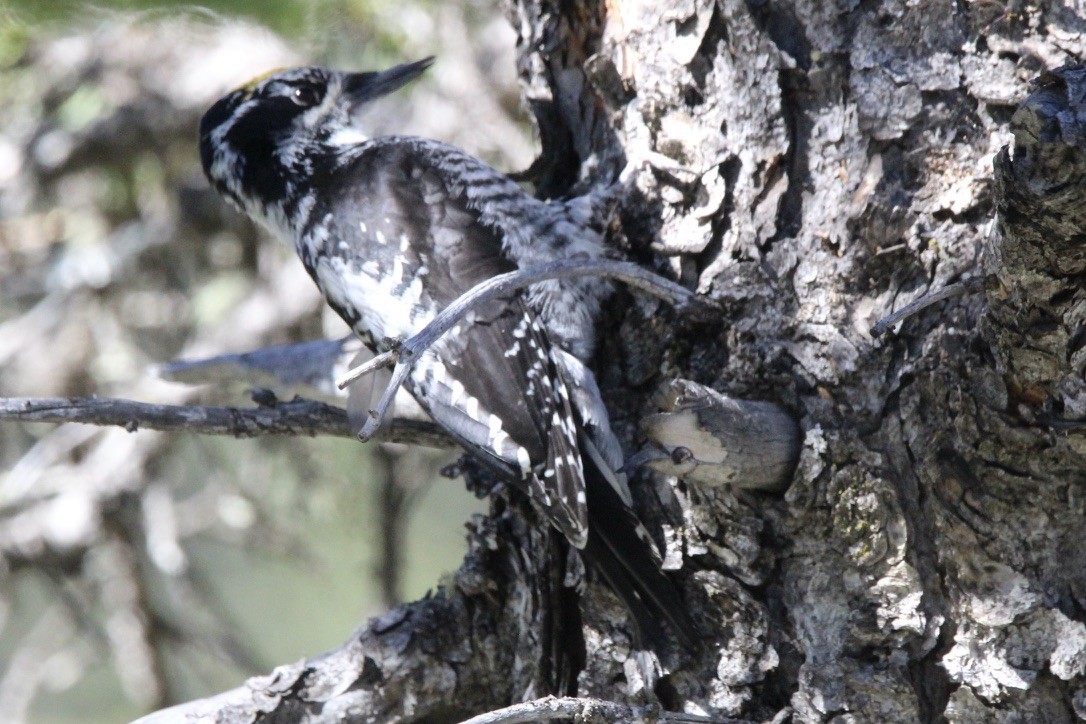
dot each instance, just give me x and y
(258, 142)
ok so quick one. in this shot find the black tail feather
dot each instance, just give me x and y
(631, 566)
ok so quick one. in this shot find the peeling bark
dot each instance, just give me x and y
(811, 167)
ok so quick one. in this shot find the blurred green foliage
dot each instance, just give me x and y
(325, 28)
(283, 16)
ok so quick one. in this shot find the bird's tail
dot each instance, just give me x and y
(621, 550)
(618, 545)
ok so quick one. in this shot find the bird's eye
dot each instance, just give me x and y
(305, 96)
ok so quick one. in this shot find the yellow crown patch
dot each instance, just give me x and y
(249, 86)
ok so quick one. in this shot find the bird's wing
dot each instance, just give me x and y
(491, 381)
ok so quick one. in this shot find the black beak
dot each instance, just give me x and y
(364, 87)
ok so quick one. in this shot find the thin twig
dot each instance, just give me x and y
(405, 354)
(919, 305)
(891, 249)
(377, 414)
(586, 708)
(385, 359)
(296, 417)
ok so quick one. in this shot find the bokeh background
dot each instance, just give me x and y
(141, 569)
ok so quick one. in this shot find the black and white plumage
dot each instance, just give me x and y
(393, 230)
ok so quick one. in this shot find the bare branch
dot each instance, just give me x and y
(377, 414)
(405, 353)
(585, 709)
(715, 439)
(295, 417)
(381, 361)
(919, 305)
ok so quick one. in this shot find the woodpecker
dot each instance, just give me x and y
(395, 228)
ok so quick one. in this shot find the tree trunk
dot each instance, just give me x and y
(812, 167)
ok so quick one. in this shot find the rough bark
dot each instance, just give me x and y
(811, 166)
